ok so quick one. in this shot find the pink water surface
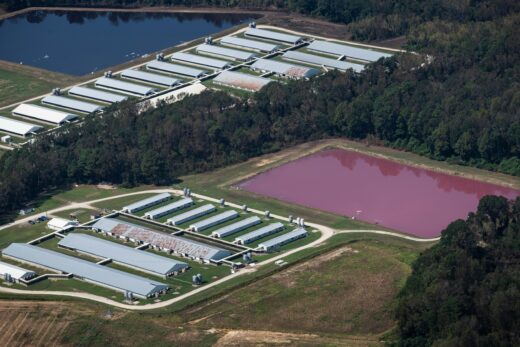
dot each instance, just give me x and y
(379, 191)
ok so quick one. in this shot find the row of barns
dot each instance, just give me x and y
(201, 218)
(243, 61)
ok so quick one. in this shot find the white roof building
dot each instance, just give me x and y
(43, 114)
(18, 128)
(60, 223)
(273, 35)
(16, 273)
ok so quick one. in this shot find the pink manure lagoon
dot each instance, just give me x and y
(412, 200)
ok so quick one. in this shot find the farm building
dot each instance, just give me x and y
(199, 60)
(241, 80)
(322, 61)
(236, 227)
(259, 233)
(43, 114)
(149, 77)
(164, 210)
(15, 273)
(249, 44)
(145, 203)
(124, 255)
(273, 35)
(15, 127)
(124, 87)
(95, 94)
(215, 220)
(347, 51)
(190, 215)
(160, 241)
(225, 52)
(284, 69)
(277, 242)
(85, 270)
(60, 223)
(175, 69)
(76, 105)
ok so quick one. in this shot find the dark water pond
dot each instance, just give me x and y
(416, 201)
(78, 43)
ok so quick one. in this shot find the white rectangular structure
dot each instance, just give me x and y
(164, 210)
(85, 270)
(43, 114)
(199, 60)
(149, 77)
(15, 272)
(191, 215)
(60, 224)
(241, 80)
(236, 227)
(215, 220)
(274, 35)
(125, 87)
(259, 233)
(225, 52)
(18, 128)
(145, 203)
(249, 44)
(322, 61)
(76, 105)
(124, 255)
(95, 94)
(284, 69)
(281, 240)
(175, 69)
(347, 51)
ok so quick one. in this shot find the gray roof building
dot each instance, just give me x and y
(284, 69)
(44, 114)
(76, 105)
(95, 94)
(167, 242)
(18, 128)
(125, 255)
(347, 51)
(148, 202)
(249, 44)
(191, 214)
(175, 69)
(164, 210)
(124, 87)
(322, 61)
(150, 77)
(225, 52)
(273, 35)
(236, 227)
(82, 269)
(284, 239)
(259, 233)
(199, 60)
(215, 220)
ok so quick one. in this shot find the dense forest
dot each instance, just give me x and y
(367, 19)
(465, 290)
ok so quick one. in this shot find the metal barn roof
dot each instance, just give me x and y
(151, 201)
(236, 227)
(260, 233)
(43, 113)
(72, 104)
(273, 35)
(126, 87)
(225, 52)
(318, 60)
(15, 271)
(192, 214)
(199, 60)
(347, 51)
(122, 254)
(175, 69)
(242, 80)
(177, 244)
(149, 77)
(215, 220)
(290, 70)
(16, 127)
(103, 275)
(283, 239)
(95, 94)
(251, 44)
(164, 210)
